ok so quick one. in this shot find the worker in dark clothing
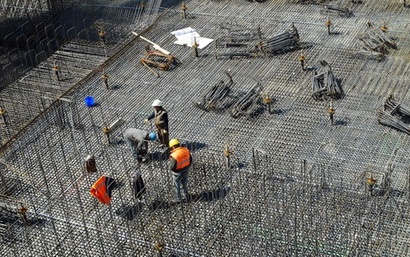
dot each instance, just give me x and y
(137, 140)
(138, 186)
(160, 116)
(179, 162)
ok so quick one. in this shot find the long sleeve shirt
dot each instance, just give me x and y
(136, 135)
(161, 118)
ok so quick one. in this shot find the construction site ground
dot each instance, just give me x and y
(297, 185)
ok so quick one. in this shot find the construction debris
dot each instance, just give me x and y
(325, 84)
(394, 114)
(158, 60)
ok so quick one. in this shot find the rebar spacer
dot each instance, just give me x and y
(106, 130)
(22, 210)
(371, 181)
(227, 153)
(158, 246)
(142, 4)
(267, 100)
(102, 33)
(383, 28)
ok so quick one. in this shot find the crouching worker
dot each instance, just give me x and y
(180, 161)
(137, 140)
(102, 189)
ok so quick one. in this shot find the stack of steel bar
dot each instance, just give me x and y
(325, 84)
(288, 40)
(375, 43)
(387, 115)
(337, 10)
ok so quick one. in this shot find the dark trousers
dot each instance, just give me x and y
(163, 137)
(181, 182)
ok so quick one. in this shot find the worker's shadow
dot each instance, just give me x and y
(129, 212)
(211, 195)
(206, 196)
(194, 146)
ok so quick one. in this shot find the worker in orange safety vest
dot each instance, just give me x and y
(179, 161)
(102, 189)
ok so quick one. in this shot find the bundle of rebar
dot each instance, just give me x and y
(394, 107)
(336, 10)
(285, 41)
(325, 84)
(375, 44)
(245, 103)
(392, 115)
(387, 119)
(212, 100)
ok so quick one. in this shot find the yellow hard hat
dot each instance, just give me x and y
(173, 142)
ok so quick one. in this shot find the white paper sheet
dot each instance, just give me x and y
(187, 37)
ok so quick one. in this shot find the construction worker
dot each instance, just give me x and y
(102, 189)
(138, 186)
(160, 116)
(179, 162)
(137, 140)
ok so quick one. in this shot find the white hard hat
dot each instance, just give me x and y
(157, 103)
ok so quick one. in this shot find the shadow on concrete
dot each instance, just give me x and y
(129, 212)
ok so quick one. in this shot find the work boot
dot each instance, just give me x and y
(176, 201)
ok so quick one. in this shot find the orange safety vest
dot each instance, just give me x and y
(182, 157)
(99, 190)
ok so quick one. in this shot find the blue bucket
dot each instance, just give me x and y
(89, 101)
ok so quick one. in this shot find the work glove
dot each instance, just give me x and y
(146, 121)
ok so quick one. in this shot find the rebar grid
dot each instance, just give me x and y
(270, 203)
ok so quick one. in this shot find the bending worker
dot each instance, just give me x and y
(137, 140)
(160, 116)
(180, 160)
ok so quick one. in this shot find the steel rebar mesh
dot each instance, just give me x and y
(269, 203)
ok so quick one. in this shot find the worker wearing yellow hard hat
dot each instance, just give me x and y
(180, 161)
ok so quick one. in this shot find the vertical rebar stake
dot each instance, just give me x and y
(106, 132)
(195, 46)
(328, 24)
(158, 247)
(331, 110)
(56, 70)
(227, 154)
(104, 77)
(184, 8)
(383, 27)
(3, 116)
(268, 101)
(302, 60)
